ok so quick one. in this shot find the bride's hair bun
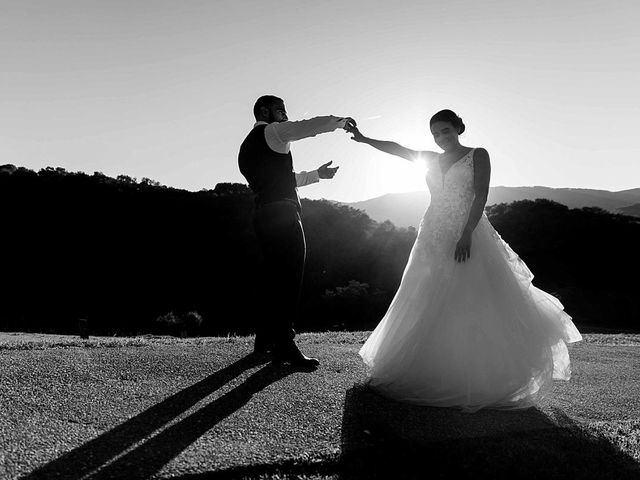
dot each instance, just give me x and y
(450, 117)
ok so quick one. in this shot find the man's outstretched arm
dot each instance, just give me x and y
(279, 134)
(291, 131)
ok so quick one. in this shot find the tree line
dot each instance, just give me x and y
(133, 257)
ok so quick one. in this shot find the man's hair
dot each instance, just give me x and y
(264, 101)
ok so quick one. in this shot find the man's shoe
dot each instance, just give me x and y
(293, 356)
(261, 350)
(262, 347)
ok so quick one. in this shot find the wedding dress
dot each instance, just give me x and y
(475, 334)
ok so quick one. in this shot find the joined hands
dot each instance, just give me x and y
(325, 171)
(352, 128)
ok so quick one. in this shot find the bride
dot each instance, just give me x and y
(466, 327)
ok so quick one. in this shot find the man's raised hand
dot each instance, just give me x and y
(325, 171)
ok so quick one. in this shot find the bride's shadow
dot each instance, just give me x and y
(382, 438)
(105, 457)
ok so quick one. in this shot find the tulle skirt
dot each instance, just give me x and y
(470, 335)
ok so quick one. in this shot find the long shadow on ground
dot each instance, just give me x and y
(382, 438)
(91, 460)
(385, 439)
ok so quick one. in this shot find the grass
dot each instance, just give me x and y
(161, 407)
(40, 341)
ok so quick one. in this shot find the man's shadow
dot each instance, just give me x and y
(93, 458)
(382, 438)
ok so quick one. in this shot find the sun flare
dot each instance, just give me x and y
(402, 176)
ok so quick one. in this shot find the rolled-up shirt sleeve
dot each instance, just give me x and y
(292, 131)
(307, 178)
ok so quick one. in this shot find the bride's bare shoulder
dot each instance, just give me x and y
(481, 156)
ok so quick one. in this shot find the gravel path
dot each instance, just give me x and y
(202, 408)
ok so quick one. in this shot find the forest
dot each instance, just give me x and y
(118, 256)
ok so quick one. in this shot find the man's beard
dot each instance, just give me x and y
(272, 118)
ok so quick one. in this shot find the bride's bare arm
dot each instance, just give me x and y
(482, 175)
(392, 147)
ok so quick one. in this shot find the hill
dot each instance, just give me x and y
(114, 255)
(633, 210)
(406, 209)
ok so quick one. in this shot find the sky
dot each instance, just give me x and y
(165, 89)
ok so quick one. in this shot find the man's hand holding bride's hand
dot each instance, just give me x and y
(325, 171)
(353, 130)
(349, 123)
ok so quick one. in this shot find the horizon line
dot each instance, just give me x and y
(322, 198)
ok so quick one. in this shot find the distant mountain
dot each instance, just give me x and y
(633, 210)
(406, 209)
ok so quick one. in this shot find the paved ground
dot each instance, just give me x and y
(201, 408)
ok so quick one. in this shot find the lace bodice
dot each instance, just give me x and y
(452, 194)
(452, 190)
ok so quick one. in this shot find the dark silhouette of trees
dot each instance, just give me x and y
(119, 253)
(586, 257)
(136, 257)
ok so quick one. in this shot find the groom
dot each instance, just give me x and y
(266, 162)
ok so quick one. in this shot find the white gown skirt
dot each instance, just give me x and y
(469, 335)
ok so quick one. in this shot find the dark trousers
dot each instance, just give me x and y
(279, 231)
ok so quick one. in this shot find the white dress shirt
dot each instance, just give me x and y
(279, 136)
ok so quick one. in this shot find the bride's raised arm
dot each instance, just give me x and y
(393, 148)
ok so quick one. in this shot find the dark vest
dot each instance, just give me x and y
(270, 174)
